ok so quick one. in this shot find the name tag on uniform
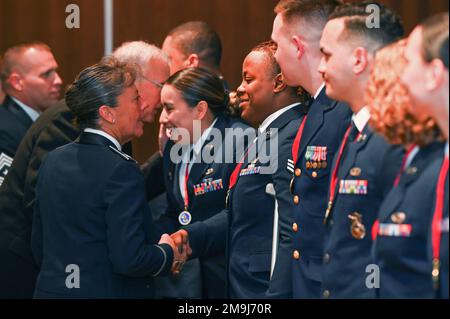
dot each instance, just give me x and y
(251, 170)
(395, 230)
(208, 186)
(444, 225)
(353, 187)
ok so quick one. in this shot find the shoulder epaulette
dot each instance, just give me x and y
(125, 156)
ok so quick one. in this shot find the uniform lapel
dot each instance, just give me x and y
(411, 174)
(198, 170)
(353, 148)
(15, 109)
(315, 119)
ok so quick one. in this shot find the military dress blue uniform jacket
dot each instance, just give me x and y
(250, 215)
(327, 123)
(401, 249)
(91, 211)
(367, 171)
(207, 187)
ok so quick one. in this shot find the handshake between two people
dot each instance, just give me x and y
(179, 241)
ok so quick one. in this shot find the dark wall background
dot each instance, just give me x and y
(241, 24)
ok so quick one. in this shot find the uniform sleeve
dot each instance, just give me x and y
(280, 282)
(130, 251)
(208, 237)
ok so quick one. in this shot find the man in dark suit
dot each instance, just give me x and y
(365, 167)
(31, 84)
(303, 23)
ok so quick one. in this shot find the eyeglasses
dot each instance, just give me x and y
(155, 83)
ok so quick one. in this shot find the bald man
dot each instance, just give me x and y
(32, 84)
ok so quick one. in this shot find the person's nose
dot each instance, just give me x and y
(163, 118)
(322, 67)
(58, 81)
(241, 89)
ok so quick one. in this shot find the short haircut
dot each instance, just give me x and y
(435, 38)
(12, 55)
(356, 16)
(97, 85)
(313, 11)
(139, 54)
(269, 48)
(197, 37)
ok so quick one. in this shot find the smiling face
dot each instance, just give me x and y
(128, 116)
(178, 114)
(256, 91)
(336, 63)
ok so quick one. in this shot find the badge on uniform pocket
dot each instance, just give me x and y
(355, 171)
(208, 186)
(353, 187)
(357, 228)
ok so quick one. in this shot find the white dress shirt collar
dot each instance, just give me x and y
(106, 135)
(361, 118)
(319, 91)
(32, 113)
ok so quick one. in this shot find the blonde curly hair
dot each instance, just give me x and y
(389, 102)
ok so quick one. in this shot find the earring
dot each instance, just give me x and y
(114, 121)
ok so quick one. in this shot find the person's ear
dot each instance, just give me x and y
(435, 75)
(299, 46)
(279, 84)
(202, 110)
(361, 60)
(192, 61)
(15, 81)
(107, 114)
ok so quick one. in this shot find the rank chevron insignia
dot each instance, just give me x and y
(5, 163)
